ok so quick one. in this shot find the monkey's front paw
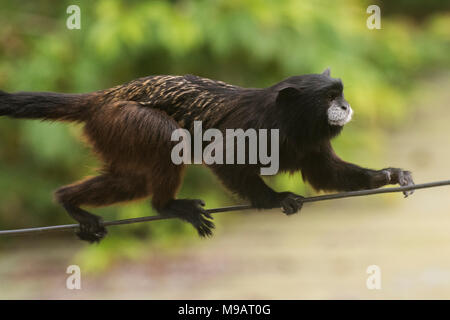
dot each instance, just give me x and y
(402, 177)
(290, 202)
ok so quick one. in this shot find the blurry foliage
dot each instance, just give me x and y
(249, 43)
(418, 9)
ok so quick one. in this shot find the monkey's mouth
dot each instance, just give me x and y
(338, 116)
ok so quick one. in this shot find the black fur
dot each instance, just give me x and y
(44, 105)
(130, 128)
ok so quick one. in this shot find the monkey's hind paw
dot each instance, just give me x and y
(192, 211)
(290, 202)
(93, 232)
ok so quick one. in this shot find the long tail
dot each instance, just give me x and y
(45, 105)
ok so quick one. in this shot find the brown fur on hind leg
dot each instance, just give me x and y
(102, 190)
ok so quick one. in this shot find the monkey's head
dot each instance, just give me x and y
(313, 104)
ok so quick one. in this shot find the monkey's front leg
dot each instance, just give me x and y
(248, 185)
(380, 178)
(325, 170)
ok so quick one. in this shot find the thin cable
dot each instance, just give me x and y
(232, 208)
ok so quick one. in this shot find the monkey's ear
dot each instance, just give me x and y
(286, 95)
(327, 72)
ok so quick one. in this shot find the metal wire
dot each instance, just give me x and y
(232, 208)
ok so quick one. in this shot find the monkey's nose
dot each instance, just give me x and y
(344, 107)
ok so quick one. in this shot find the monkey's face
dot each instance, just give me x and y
(313, 105)
(339, 111)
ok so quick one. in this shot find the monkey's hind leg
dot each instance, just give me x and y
(91, 226)
(189, 210)
(141, 137)
(98, 191)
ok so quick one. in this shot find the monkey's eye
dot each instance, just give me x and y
(332, 95)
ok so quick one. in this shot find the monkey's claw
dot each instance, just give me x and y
(192, 211)
(93, 232)
(402, 177)
(198, 217)
(290, 202)
(405, 179)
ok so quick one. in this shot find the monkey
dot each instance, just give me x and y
(129, 128)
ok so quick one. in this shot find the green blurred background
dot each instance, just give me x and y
(248, 43)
